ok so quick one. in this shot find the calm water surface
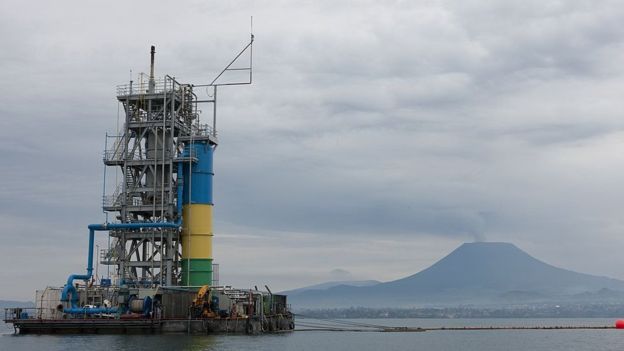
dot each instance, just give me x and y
(567, 340)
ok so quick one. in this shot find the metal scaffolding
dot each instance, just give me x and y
(161, 117)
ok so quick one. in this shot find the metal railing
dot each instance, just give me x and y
(142, 87)
(120, 155)
(203, 130)
(215, 274)
(113, 199)
(116, 151)
(22, 313)
(108, 255)
(115, 154)
(136, 201)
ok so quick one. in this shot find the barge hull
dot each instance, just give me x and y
(150, 326)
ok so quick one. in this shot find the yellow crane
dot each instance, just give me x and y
(201, 303)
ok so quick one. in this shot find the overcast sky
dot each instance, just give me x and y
(376, 138)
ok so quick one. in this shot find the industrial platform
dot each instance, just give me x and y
(160, 275)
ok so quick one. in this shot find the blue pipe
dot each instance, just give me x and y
(180, 190)
(69, 288)
(85, 310)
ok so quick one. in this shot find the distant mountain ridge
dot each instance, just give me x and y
(328, 285)
(474, 273)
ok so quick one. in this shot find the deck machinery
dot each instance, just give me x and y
(161, 237)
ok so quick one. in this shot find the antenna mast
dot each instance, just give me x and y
(214, 84)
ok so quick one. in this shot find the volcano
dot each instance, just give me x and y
(474, 273)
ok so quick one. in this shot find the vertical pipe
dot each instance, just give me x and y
(97, 261)
(214, 113)
(90, 256)
(186, 218)
(251, 54)
(104, 177)
(180, 184)
(108, 262)
(152, 52)
(162, 196)
(152, 82)
(172, 151)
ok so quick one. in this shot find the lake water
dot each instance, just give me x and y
(609, 339)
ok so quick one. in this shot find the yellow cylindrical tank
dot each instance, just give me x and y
(197, 245)
(197, 231)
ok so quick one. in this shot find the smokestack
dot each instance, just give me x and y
(152, 82)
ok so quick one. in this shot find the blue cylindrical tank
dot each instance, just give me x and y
(198, 186)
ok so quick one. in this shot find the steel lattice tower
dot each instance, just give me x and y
(165, 157)
(157, 114)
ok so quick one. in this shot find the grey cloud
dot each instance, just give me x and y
(434, 123)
